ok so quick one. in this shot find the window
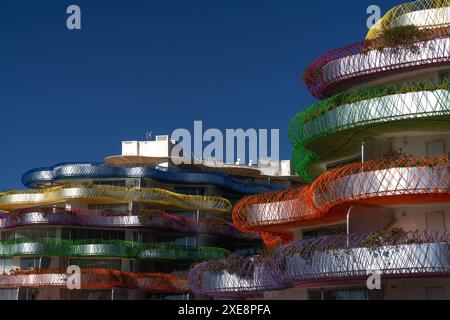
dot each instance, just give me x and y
(345, 294)
(27, 263)
(34, 233)
(9, 294)
(114, 264)
(5, 264)
(312, 234)
(117, 183)
(193, 191)
(30, 263)
(92, 234)
(190, 242)
(113, 208)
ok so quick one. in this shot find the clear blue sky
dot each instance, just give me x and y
(155, 65)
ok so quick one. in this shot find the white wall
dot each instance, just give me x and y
(161, 147)
(414, 218)
(417, 289)
(417, 145)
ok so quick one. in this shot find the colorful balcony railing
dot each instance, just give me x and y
(422, 13)
(339, 69)
(407, 180)
(12, 200)
(96, 279)
(411, 180)
(61, 217)
(335, 127)
(106, 248)
(393, 253)
(61, 173)
(233, 278)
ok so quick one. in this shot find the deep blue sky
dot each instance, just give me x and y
(155, 65)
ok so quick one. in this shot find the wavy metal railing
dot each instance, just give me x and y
(233, 279)
(106, 248)
(409, 180)
(369, 108)
(412, 254)
(87, 218)
(96, 279)
(11, 200)
(377, 181)
(326, 74)
(392, 254)
(422, 13)
(66, 171)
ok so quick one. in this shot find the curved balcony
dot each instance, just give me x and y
(107, 248)
(412, 179)
(403, 181)
(267, 212)
(321, 132)
(341, 68)
(95, 279)
(11, 200)
(232, 279)
(61, 173)
(422, 13)
(391, 254)
(164, 221)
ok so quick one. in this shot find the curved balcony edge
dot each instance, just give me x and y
(63, 173)
(313, 126)
(11, 200)
(409, 180)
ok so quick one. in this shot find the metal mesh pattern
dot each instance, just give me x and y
(422, 13)
(381, 179)
(96, 279)
(374, 107)
(11, 200)
(63, 172)
(38, 216)
(393, 254)
(409, 180)
(107, 248)
(226, 279)
(342, 257)
(352, 62)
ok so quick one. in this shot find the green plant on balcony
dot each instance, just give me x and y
(384, 238)
(398, 39)
(414, 238)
